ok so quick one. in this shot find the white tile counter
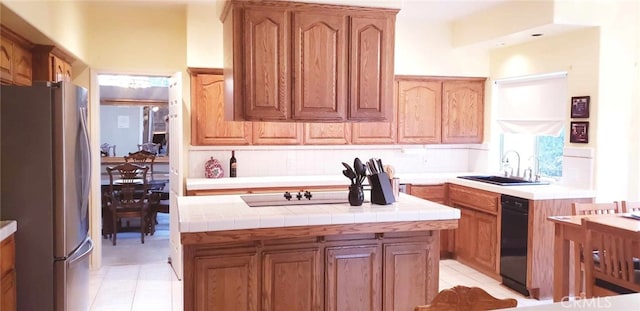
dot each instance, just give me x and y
(229, 212)
(7, 228)
(534, 192)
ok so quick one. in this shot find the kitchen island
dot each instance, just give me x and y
(310, 257)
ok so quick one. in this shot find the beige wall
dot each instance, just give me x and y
(602, 62)
(62, 21)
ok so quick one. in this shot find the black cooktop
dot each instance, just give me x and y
(296, 198)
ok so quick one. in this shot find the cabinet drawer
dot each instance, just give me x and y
(430, 192)
(474, 198)
(7, 255)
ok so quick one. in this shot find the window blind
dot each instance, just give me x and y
(535, 105)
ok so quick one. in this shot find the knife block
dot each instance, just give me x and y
(381, 191)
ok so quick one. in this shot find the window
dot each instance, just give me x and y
(548, 150)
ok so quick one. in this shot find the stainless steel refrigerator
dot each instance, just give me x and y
(45, 167)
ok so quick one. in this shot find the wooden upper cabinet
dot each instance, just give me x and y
(419, 110)
(6, 60)
(267, 94)
(327, 133)
(463, 111)
(51, 64)
(320, 66)
(377, 132)
(15, 59)
(433, 110)
(61, 69)
(371, 72)
(208, 126)
(288, 61)
(22, 66)
(277, 133)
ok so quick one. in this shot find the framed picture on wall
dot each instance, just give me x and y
(579, 132)
(580, 107)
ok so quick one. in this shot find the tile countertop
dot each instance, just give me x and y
(7, 228)
(534, 192)
(229, 212)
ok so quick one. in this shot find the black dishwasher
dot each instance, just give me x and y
(513, 243)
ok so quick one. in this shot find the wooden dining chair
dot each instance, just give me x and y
(578, 254)
(128, 196)
(595, 208)
(142, 157)
(614, 272)
(150, 147)
(630, 206)
(463, 298)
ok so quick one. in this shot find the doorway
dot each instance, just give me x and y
(133, 114)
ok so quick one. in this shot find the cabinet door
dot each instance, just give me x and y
(6, 60)
(371, 74)
(465, 238)
(319, 66)
(226, 283)
(377, 132)
(419, 112)
(292, 280)
(8, 300)
(463, 111)
(266, 47)
(61, 70)
(22, 66)
(277, 133)
(486, 245)
(327, 133)
(353, 278)
(410, 275)
(208, 126)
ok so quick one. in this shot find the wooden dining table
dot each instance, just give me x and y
(569, 229)
(155, 187)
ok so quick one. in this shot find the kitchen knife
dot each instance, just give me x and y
(380, 165)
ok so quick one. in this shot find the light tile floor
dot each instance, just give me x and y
(131, 281)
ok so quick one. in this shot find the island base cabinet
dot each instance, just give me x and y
(410, 275)
(225, 283)
(354, 278)
(359, 271)
(292, 280)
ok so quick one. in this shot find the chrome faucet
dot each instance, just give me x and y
(505, 159)
(537, 168)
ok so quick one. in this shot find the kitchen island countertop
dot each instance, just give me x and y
(7, 228)
(230, 212)
(533, 192)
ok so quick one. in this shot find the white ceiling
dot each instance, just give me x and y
(433, 10)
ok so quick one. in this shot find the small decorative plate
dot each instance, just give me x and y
(213, 169)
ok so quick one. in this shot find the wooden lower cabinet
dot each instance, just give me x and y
(477, 236)
(8, 299)
(437, 193)
(226, 283)
(409, 277)
(368, 272)
(292, 280)
(354, 278)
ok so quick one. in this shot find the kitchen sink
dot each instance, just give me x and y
(503, 181)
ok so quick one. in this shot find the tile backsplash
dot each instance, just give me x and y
(255, 161)
(326, 160)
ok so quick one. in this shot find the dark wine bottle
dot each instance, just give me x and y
(233, 164)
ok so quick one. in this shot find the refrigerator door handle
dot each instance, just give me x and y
(83, 255)
(86, 165)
